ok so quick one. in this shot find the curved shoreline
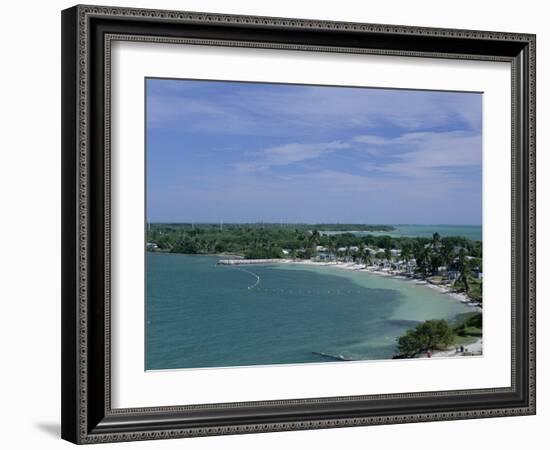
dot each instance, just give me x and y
(474, 349)
(361, 268)
(346, 272)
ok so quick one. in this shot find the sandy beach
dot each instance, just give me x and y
(473, 349)
(358, 268)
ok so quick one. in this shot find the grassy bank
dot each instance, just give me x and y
(440, 335)
(467, 328)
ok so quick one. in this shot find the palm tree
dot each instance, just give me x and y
(447, 252)
(436, 241)
(463, 269)
(387, 253)
(421, 256)
(361, 251)
(368, 256)
(434, 255)
(406, 253)
(332, 246)
(314, 240)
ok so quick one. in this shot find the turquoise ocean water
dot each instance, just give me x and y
(472, 232)
(199, 314)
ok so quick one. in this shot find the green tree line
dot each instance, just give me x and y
(269, 240)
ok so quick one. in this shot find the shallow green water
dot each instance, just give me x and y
(200, 314)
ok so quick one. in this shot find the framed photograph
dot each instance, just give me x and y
(277, 224)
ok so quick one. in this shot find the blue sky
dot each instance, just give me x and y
(251, 152)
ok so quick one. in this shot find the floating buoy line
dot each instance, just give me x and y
(335, 292)
(252, 286)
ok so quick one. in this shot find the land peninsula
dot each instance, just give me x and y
(451, 264)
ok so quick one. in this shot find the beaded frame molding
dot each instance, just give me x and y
(87, 35)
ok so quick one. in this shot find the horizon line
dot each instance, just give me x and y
(311, 223)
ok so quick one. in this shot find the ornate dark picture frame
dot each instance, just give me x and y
(87, 34)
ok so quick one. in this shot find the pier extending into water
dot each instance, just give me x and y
(333, 357)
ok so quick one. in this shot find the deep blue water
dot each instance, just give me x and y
(200, 314)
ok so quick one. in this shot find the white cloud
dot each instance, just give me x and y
(371, 140)
(416, 154)
(302, 110)
(333, 164)
(286, 154)
(289, 153)
(437, 152)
